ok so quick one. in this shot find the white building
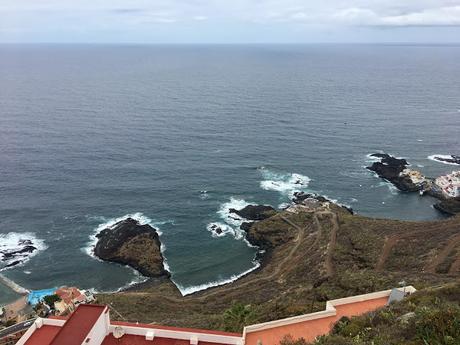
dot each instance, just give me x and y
(449, 184)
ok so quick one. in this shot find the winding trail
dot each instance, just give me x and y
(439, 259)
(301, 235)
(455, 267)
(391, 241)
(331, 245)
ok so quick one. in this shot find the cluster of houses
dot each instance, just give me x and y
(63, 301)
(449, 184)
(446, 185)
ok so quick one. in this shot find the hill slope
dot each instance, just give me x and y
(310, 257)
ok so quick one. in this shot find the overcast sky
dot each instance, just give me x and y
(230, 21)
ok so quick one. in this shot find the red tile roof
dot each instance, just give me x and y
(80, 323)
(68, 294)
(43, 335)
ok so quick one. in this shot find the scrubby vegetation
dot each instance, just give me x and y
(323, 256)
(429, 317)
(239, 315)
(50, 299)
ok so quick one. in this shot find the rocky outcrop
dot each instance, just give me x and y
(314, 201)
(130, 243)
(301, 197)
(390, 168)
(453, 159)
(449, 206)
(255, 212)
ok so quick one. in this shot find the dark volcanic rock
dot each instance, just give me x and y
(12, 253)
(246, 226)
(449, 206)
(389, 168)
(300, 197)
(254, 212)
(453, 159)
(129, 243)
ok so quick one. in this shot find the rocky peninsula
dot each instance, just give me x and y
(130, 243)
(390, 168)
(396, 171)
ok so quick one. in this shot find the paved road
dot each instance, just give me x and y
(16, 328)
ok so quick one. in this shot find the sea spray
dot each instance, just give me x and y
(195, 288)
(435, 159)
(12, 243)
(286, 184)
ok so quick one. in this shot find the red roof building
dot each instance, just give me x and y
(90, 324)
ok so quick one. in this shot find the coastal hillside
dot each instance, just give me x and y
(311, 255)
(430, 316)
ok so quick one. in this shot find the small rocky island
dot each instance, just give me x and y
(130, 243)
(452, 159)
(445, 188)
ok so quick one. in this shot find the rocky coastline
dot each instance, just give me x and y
(11, 257)
(390, 169)
(130, 243)
(395, 170)
(452, 159)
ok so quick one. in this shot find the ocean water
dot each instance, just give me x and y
(176, 135)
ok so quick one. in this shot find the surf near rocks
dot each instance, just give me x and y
(16, 249)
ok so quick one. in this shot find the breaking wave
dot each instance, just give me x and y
(231, 221)
(286, 184)
(18, 248)
(192, 289)
(434, 158)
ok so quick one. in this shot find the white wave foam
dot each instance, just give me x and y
(14, 241)
(108, 223)
(231, 221)
(138, 279)
(229, 217)
(221, 229)
(204, 195)
(285, 184)
(192, 289)
(433, 158)
(393, 190)
(370, 158)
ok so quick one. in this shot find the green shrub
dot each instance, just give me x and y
(50, 299)
(438, 326)
(238, 316)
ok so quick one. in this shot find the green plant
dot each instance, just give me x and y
(50, 299)
(237, 316)
(439, 326)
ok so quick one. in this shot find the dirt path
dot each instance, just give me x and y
(455, 267)
(439, 259)
(298, 241)
(389, 244)
(391, 241)
(331, 245)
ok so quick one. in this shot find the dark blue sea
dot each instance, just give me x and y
(176, 135)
